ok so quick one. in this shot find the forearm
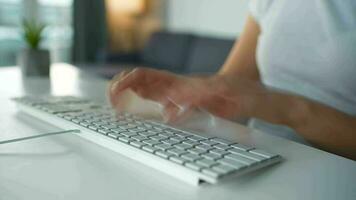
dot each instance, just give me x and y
(327, 128)
(323, 126)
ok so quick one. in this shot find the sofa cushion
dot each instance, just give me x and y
(207, 54)
(166, 50)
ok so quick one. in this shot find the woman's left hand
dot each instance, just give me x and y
(221, 95)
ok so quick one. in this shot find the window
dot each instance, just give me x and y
(10, 42)
(56, 14)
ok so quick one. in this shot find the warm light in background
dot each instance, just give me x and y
(130, 23)
(126, 6)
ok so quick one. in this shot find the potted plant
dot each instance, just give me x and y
(33, 60)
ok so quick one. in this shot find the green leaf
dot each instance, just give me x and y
(32, 33)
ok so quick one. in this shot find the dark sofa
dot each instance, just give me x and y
(177, 52)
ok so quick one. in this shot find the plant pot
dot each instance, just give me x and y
(34, 62)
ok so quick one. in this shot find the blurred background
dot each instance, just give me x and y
(184, 36)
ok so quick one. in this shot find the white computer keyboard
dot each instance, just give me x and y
(190, 157)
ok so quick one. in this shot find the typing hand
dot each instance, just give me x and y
(223, 96)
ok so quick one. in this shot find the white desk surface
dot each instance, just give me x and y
(68, 167)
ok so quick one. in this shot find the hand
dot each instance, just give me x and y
(227, 97)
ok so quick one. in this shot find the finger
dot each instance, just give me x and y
(174, 113)
(131, 79)
(121, 83)
(170, 112)
(157, 94)
(152, 84)
(113, 84)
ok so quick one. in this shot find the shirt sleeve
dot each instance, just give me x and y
(258, 8)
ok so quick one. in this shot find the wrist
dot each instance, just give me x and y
(297, 113)
(283, 109)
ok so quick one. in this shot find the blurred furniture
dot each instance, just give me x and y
(177, 52)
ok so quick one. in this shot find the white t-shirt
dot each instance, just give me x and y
(307, 47)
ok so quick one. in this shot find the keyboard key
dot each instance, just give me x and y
(158, 137)
(147, 134)
(219, 151)
(158, 128)
(222, 146)
(108, 126)
(212, 173)
(114, 135)
(196, 151)
(127, 126)
(206, 162)
(149, 148)
(118, 130)
(90, 121)
(132, 125)
(139, 138)
(241, 147)
(176, 151)
(181, 134)
(147, 125)
(247, 154)
(151, 142)
(137, 144)
(138, 123)
(208, 142)
(120, 123)
(221, 141)
(104, 131)
(76, 120)
(241, 159)
(170, 142)
(177, 159)
(203, 147)
(194, 166)
(125, 139)
(196, 138)
(263, 153)
(128, 134)
(163, 154)
(191, 157)
(183, 146)
(165, 134)
(163, 146)
(155, 132)
(211, 156)
(135, 130)
(93, 127)
(67, 117)
(99, 123)
(190, 142)
(84, 123)
(176, 139)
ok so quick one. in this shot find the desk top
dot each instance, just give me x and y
(68, 167)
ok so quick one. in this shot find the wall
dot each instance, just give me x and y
(221, 18)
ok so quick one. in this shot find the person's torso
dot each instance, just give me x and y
(308, 47)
